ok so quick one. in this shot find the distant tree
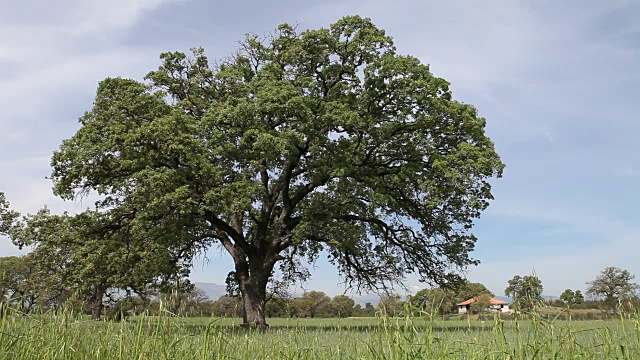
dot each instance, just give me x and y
(175, 295)
(325, 139)
(311, 302)
(578, 298)
(342, 306)
(357, 310)
(555, 303)
(192, 303)
(277, 307)
(232, 285)
(13, 275)
(470, 290)
(481, 303)
(568, 296)
(368, 310)
(514, 288)
(614, 286)
(438, 300)
(227, 306)
(126, 306)
(26, 283)
(390, 305)
(26, 279)
(122, 307)
(526, 292)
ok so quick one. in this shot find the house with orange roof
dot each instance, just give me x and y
(496, 305)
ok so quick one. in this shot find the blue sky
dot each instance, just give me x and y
(558, 81)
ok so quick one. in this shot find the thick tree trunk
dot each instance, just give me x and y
(252, 273)
(254, 310)
(254, 291)
(96, 305)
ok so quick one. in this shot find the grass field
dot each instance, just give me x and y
(68, 337)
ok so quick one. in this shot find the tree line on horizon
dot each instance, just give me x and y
(28, 287)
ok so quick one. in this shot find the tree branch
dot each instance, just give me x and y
(221, 225)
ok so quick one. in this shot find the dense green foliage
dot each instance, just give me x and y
(525, 292)
(614, 285)
(94, 255)
(302, 142)
(7, 216)
(572, 297)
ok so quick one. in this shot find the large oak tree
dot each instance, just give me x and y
(614, 285)
(301, 142)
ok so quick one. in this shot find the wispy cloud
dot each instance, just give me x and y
(52, 54)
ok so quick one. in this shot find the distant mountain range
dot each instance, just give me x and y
(213, 291)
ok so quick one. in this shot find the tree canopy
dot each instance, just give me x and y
(481, 303)
(470, 290)
(94, 254)
(526, 292)
(571, 297)
(7, 216)
(437, 300)
(302, 142)
(614, 285)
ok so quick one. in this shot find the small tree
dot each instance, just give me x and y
(526, 292)
(277, 307)
(578, 298)
(312, 301)
(15, 272)
(614, 286)
(342, 306)
(94, 254)
(390, 305)
(438, 300)
(481, 303)
(568, 296)
(471, 290)
(227, 306)
(368, 310)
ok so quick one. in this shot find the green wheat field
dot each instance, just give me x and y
(163, 337)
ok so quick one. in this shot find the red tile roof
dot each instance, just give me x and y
(493, 301)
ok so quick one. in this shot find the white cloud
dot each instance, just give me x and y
(479, 46)
(50, 52)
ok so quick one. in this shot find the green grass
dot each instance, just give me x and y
(70, 337)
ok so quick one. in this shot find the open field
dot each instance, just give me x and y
(66, 337)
